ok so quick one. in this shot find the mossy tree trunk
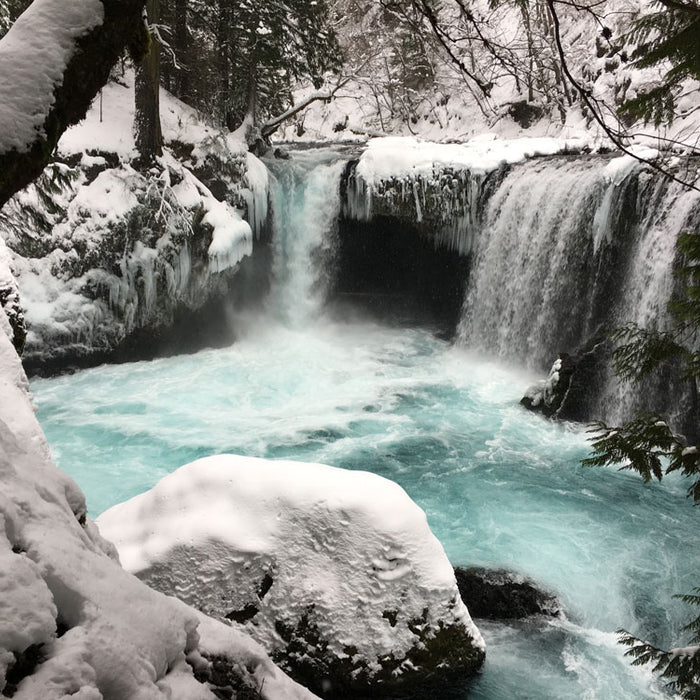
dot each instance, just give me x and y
(86, 72)
(147, 131)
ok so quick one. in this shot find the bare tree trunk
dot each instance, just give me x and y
(223, 64)
(182, 41)
(147, 131)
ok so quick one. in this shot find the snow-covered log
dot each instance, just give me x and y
(53, 61)
(335, 572)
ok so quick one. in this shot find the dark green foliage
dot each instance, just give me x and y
(648, 446)
(241, 56)
(10, 10)
(639, 351)
(680, 667)
(667, 38)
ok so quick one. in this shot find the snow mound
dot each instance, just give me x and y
(72, 621)
(335, 572)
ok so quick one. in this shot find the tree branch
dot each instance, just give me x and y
(270, 126)
(592, 105)
(87, 69)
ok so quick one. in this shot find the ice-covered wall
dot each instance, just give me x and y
(438, 187)
(99, 250)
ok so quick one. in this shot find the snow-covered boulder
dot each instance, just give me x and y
(335, 572)
(105, 254)
(72, 621)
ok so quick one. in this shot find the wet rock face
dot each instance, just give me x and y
(390, 270)
(573, 384)
(503, 595)
(547, 396)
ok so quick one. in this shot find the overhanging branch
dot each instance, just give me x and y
(270, 126)
(592, 105)
(86, 72)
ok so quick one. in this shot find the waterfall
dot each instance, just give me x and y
(570, 248)
(306, 204)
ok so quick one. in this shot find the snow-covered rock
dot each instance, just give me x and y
(72, 621)
(335, 572)
(100, 250)
(438, 187)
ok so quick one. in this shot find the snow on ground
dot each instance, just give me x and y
(378, 97)
(284, 540)
(33, 57)
(95, 630)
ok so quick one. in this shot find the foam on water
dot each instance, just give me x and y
(501, 487)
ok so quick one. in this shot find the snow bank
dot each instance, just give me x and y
(33, 58)
(78, 622)
(100, 249)
(405, 157)
(327, 567)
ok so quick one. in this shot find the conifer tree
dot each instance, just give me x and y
(242, 58)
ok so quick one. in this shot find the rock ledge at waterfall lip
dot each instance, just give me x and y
(402, 156)
(335, 572)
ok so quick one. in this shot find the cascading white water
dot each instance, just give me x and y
(667, 210)
(306, 205)
(529, 291)
(570, 248)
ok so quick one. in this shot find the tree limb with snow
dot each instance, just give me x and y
(53, 62)
(271, 125)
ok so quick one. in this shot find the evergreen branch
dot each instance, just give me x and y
(639, 445)
(642, 351)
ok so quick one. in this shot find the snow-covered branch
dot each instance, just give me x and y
(270, 126)
(53, 61)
